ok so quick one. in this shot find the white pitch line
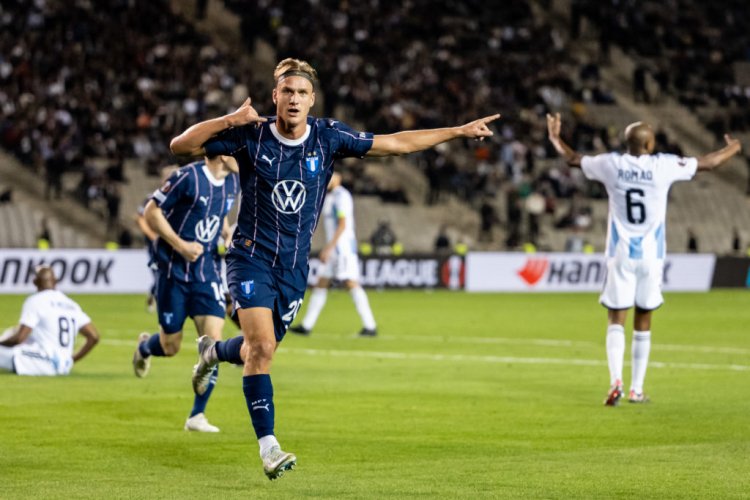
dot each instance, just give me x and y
(544, 342)
(192, 346)
(497, 359)
(443, 339)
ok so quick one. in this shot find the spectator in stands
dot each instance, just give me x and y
(383, 238)
(54, 167)
(113, 199)
(487, 221)
(44, 238)
(736, 241)
(692, 244)
(515, 216)
(442, 241)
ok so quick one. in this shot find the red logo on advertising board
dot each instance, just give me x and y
(533, 271)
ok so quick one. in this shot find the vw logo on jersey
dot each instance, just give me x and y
(289, 196)
(206, 229)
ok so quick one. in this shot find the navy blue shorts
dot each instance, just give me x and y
(176, 300)
(253, 282)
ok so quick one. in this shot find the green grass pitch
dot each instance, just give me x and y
(461, 396)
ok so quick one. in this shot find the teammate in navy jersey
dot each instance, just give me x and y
(188, 213)
(149, 238)
(285, 164)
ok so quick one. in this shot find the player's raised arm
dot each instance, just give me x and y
(554, 124)
(716, 158)
(191, 141)
(412, 141)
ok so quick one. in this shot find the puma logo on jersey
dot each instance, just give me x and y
(269, 160)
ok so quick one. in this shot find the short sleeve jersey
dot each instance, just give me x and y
(284, 182)
(194, 203)
(637, 187)
(147, 242)
(54, 320)
(339, 206)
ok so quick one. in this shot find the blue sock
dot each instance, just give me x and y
(229, 350)
(151, 347)
(259, 398)
(199, 404)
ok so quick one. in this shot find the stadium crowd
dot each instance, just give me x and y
(695, 51)
(437, 69)
(75, 99)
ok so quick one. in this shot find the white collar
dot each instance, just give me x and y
(290, 142)
(213, 180)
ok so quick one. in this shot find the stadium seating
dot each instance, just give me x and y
(526, 67)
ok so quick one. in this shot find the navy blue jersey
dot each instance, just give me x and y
(195, 204)
(149, 244)
(284, 182)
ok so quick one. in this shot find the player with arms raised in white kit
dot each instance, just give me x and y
(637, 185)
(340, 260)
(43, 342)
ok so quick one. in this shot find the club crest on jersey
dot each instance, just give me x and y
(312, 162)
(288, 196)
(207, 229)
(248, 288)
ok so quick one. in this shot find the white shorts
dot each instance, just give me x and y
(632, 282)
(30, 360)
(341, 266)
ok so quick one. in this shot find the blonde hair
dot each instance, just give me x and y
(296, 65)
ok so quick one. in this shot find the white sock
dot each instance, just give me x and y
(317, 301)
(615, 352)
(266, 443)
(641, 348)
(363, 307)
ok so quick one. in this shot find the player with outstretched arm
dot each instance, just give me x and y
(286, 162)
(637, 184)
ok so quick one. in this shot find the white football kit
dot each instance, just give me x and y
(344, 262)
(54, 320)
(637, 188)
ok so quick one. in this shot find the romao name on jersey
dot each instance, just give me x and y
(635, 175)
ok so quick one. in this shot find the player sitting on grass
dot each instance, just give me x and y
(42, 344)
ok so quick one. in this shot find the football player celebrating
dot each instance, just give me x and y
(286, 162)
(637, 186)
